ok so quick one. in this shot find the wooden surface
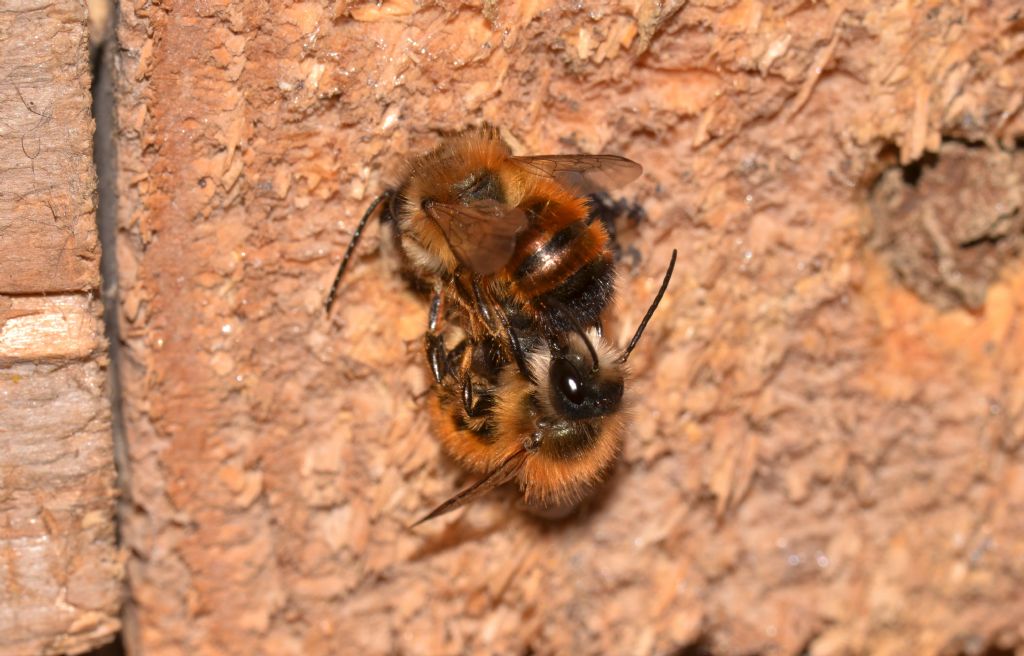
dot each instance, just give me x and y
(820, 459)
(60, 570)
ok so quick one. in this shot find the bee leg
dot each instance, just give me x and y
(517, 349)
(533, 441)
(518, 354)
(467, 396)
(435, 311)
(475, 406)
(437, 355)
(606, 210)
(481, 306)
(611, 212)
(384, 197)
(635, 257)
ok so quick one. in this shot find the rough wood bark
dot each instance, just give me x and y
(820, 459)
(60, 572)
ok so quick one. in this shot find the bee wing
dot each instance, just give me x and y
(482, 235)
(606, 172)
(505, 472)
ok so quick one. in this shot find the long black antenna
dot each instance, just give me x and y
(352, 247)
(460, 499)
(650, 310)
(590, 347)
(578, 329)
(504, 473)
(567, 314)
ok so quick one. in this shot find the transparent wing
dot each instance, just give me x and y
(504, 473)
(606, 172)
(482, 235)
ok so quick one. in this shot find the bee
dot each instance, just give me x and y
(504, 235)
(555, 432)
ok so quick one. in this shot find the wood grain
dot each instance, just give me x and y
(819, 460)
(60, 569)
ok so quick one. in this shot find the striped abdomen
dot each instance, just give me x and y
(562, 264)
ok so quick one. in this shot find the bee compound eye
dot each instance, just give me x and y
(568, 381)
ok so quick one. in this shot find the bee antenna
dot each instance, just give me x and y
(578, 329)
(590, 347)
(352, 247)
(504, 473)
(650, 310)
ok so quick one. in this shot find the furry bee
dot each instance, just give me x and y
(555, 433)
(505, 236)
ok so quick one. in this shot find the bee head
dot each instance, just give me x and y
(579, 387)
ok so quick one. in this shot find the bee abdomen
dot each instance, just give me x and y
(548, 256)
(570, 269)
(584, 294)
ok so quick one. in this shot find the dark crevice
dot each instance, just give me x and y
(948, 223)
(101, 54)
(115, 648)
(105, 158)
(699, 647)
(912, 172)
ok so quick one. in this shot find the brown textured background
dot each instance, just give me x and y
(60, 569)
(826, 453)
